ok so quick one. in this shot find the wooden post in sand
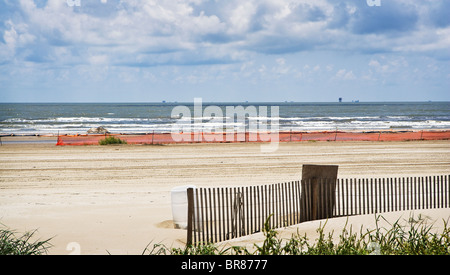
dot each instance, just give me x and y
(190, 216)
(318, 191)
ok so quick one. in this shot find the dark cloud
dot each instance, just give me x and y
(308, 13)
(279, 43)
(40, 3)
(390, 17)
(202, 32)
(340, 16)
(439, 14)
(98, 9)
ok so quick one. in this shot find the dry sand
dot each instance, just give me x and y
(116, 199)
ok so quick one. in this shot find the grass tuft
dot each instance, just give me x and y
(10, 244)
(415, 238)
(111, 140)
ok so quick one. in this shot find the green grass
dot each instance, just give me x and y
(11, 244)
(416, 238)
(111, 140)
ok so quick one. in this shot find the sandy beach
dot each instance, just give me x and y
(116, 199)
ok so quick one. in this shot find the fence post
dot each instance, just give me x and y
(320, 181)
(190, 216)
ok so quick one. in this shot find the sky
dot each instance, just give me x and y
(224, 50)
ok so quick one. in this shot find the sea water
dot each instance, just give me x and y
(127, 118)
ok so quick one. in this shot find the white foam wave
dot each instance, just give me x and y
(73, 125)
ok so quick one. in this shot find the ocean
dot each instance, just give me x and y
(128, 118)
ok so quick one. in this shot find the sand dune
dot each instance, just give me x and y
(116, 199)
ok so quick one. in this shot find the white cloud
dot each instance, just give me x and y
(252, 40)
(98, 59)
(374, 63)
(343, 74)
(178, 29)
(281, 61)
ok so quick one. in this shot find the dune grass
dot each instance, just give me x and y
(415, 238)
(111, 140)
(11, 244)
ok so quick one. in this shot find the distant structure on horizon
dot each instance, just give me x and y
(340, 99)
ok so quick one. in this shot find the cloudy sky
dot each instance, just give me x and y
(224, 50)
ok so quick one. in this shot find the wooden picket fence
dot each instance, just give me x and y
(219, 214)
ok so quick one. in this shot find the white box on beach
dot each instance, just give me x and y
(180, 206)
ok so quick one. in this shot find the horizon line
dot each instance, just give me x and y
(240, 102)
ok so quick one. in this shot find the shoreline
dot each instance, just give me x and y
(384, 130)
(117, 199)
(53, 138)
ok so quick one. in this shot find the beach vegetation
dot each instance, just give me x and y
(12, 244)
(111, 140)
(417, 237)
(205, 249)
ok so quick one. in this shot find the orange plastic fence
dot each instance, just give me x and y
(169, 138)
